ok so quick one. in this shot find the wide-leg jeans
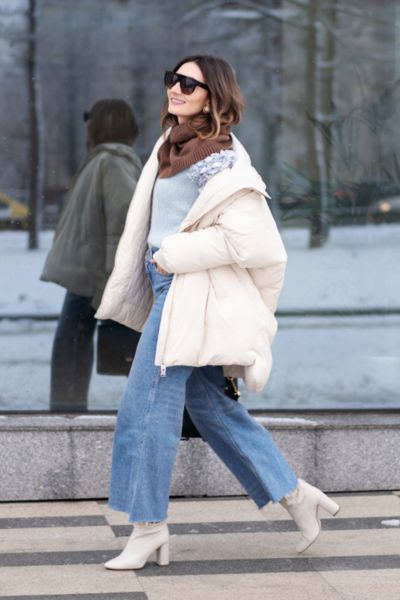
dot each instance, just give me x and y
(149, 424)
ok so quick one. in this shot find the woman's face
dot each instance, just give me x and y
(186, 106)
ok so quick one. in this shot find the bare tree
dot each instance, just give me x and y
(319, 81)
(35, 162)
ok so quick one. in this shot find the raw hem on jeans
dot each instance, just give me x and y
(277, 501)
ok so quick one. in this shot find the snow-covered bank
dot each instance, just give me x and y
(22, 292)
(318, 362)
(356, 268)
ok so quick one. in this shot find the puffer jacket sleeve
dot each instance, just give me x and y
(195, 251)
(119, 178)
(245, 233)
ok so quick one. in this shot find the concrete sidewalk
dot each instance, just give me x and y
(221, 549)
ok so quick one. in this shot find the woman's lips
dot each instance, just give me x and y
(176, 101)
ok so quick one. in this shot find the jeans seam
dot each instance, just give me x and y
(150, 403)
(227, 431)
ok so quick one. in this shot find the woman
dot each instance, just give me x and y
(200, 267)
(82, 255)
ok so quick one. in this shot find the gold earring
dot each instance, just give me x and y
(206, 108)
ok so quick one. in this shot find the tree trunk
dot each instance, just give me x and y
(323, 81)
(33, 131)
(272, 155)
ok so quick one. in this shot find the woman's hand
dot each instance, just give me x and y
(159, 269)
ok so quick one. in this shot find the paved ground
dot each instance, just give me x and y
(221, 549)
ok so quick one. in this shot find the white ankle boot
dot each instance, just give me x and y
(303, 506)
(145, 539)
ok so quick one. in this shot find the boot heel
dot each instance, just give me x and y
(162, 556)
(329, 505)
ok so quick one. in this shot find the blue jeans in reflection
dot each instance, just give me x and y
(149, 423)
(72, 355)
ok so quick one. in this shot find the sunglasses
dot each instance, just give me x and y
(86, 115)
(188, 84)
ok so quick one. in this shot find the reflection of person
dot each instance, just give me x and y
(82, 254)
(201, 241)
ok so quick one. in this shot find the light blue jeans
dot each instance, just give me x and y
(149, 425)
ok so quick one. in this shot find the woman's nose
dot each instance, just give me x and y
(174, 86)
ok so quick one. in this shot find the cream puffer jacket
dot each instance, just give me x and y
(228, 261)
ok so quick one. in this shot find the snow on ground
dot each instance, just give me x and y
(319, 362)
(334, 363)
(286, 421)
(391, 522)
(358, 267)
(21, 291)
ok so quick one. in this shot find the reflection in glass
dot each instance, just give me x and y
(322, 83)
(82, 254)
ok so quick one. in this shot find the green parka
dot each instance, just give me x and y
(93, 218)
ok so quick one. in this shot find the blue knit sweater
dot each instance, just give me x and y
(174, 196)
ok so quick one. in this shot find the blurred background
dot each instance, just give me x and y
(322, 86)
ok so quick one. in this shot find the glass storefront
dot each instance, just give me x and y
(322, 86)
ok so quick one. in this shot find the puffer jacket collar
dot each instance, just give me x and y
(224, 184)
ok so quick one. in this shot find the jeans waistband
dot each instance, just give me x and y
(151, 250)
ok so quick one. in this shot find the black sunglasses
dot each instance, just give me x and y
(86, 115)
(188, 84)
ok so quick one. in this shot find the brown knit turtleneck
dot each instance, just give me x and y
(183, 148)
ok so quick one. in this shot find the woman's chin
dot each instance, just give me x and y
(175, 110)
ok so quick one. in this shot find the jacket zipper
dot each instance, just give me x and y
(163, 368)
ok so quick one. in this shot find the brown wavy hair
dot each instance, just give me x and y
(225, 98)
(111, 120)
